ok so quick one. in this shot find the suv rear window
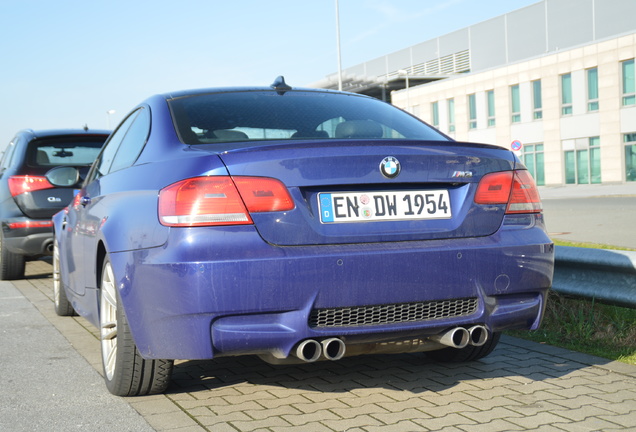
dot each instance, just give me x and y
(63, 151)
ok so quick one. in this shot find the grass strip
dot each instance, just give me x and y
(587, 326)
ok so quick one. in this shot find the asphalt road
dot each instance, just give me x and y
(45, 384)
(607, 220)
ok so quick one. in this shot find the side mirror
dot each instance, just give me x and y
(63, 176)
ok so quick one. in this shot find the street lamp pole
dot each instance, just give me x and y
(408, 98)
(108, 114)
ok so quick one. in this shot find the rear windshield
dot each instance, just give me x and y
(293, 115)
(64, 151)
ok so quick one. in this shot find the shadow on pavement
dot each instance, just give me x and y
(414, 373)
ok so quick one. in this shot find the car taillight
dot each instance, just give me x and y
(30, 224)
(525, 195)
(25, 183)
(77, 199)
(514, 188)
(221, 200)
(494, 188)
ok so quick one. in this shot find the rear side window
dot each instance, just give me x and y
(7, 156)
(133, 142)
(73, 151)
(125, 144)
(248, 116)
(110, 149)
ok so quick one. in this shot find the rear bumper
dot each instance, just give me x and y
(28, 241)
(278, 334)
(203, 295)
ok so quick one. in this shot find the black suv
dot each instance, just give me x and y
(28, 200)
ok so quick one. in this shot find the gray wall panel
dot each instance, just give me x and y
(425, 51)
(614, 17)
(516, 36)
(376, 67)
(453, 42)
(488, 44)
(360, 69)
(399, 60)
(526, 32)
(569, 23)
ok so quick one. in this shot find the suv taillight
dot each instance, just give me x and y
(25, 183)
(515, 188)
(221, 200)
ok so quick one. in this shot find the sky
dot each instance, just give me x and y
(68, 63)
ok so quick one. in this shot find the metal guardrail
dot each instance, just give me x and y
(607, 276)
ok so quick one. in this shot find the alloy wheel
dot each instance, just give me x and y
(108, 321)
(56, 276)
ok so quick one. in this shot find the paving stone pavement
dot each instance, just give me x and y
(521, 386)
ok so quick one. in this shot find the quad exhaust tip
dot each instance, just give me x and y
(478, 335)
(311, 350)
(459, 337)
(333, 348)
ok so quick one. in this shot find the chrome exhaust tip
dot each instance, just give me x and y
(455, 338)
(478, 335)
(333, 348)
(309, 350)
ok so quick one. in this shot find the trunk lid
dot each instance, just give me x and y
(342, 196)
(43, 204)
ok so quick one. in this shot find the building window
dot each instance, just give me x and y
(566, 94)
(537, 104)
(592, 89)
(533, 159)
(490, 98)
(435, 114)
(595, 160)
(472, 112)
(515, 103)
(583, 161)
(629, 83)
(630, 156)
(451, 115)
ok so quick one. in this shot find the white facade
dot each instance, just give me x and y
(557, 75)
(608, 125)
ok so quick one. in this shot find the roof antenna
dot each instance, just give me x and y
(85, 127)
(280, 85)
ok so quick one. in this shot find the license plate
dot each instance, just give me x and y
(383, 206)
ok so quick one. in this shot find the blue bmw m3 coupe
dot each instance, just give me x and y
(296, 225)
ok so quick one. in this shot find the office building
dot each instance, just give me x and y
(556, 77)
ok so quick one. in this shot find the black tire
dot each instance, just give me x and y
(126, 372)
(62, 306)
(11, 264)
(469, 353)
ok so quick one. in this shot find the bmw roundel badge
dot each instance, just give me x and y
(390, 167)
